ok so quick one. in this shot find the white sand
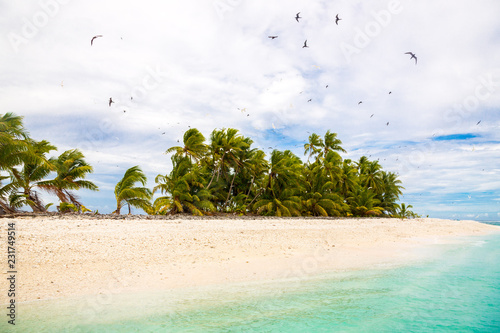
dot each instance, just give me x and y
(75, 257)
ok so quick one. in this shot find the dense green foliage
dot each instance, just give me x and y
(24, 162)
(225, 175)
(228, 175)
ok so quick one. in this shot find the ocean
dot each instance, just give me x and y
(455, 289)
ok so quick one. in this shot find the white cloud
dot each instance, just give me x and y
(211, 63)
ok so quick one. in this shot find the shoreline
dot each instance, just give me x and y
(72, 257)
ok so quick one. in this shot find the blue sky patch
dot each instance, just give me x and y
(465, 136)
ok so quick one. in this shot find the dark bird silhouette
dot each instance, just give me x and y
(360, 102)
(92, 40)
(326, 86)
(390, 92)
(297, 17)
(110, 101)
(305, 44)
(337, 19)
(163, 133)
(310, 99)
(413, 56)
(478, 122)
(131, 98)
(387, 124)
(273, 37)
(248, 115)
(372, 115)
(124, 111)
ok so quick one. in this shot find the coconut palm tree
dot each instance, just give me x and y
(71, 169)
(331, 143)
(14, 143)
(184, 189)
(314, 145)
(194, 145)
(372, 177)
(391, 190)
(127, 193)
(225, 145)
(285, 204)
(348, 180)
(318, 199)
(29, 176)
(363, 202)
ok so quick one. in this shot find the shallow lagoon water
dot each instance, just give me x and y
(456, 289)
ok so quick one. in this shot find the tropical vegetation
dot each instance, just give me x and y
(224, 174)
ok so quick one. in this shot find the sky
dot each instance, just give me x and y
(171, 65)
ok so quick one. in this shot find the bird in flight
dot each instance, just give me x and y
(413, 56)
(273, 37)
(360, 102)
(326, 86)
(478, 122)
(387, 124)
(110, 101)
(309, 100)
(390, 92)
(337, 19)
(305, 44)
(297, 17)
(372, 115)
(92, 40)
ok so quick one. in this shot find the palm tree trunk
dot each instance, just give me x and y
(251, 184)
(231, 187)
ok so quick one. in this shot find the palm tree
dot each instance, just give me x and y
(372, 177)
(318, 199)
(314, 146)
(363, 202)
(391, 190)
(404, 211)
(127, 193)
(14, 143)
(225, 145)
(331, 143)
(194, 145)
(348, 179)
(71, 170)
(184, 188)
(286, 204)
(26, 179)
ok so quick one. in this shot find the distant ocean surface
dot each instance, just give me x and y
(457, 289)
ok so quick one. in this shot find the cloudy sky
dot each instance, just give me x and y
(210, 64)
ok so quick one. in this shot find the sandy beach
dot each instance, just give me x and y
(62, 257)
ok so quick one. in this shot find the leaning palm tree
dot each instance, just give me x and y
(71, 170)
(314, 145)
(127, 193)
(183, 188)
(28, 177)
(15, 148)
(331, 143)
(194, 145)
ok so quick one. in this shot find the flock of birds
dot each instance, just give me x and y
(272, 37)
(337, 19)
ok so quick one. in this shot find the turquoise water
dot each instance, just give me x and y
(458, 289)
